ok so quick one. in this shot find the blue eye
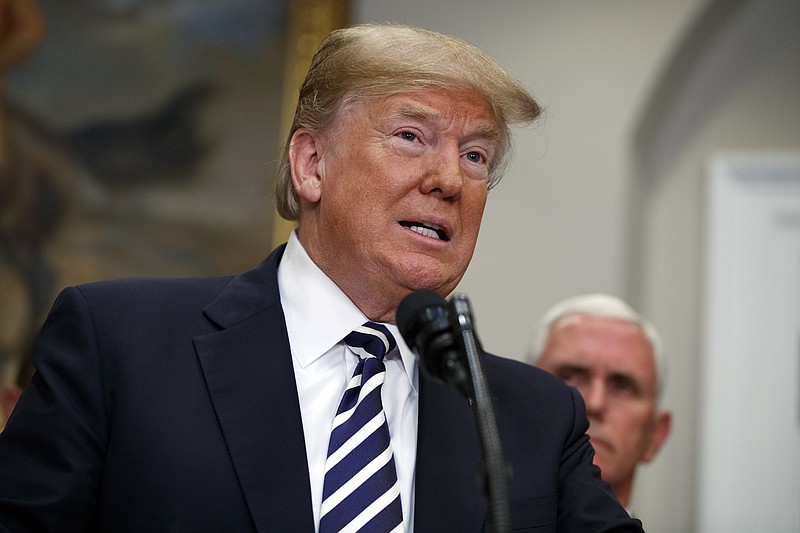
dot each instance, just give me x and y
(408, 136)
(475, 157)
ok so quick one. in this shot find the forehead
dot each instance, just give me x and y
(439, 107)
(604, 345)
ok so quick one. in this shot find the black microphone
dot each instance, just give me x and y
(444, 339)
(424, 322)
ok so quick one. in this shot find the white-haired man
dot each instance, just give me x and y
(614, 357)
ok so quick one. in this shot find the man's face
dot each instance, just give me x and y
(397, 194)
(611, 363)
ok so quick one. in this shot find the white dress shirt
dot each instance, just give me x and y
(318, 317)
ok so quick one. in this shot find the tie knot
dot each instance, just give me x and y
(371, 340)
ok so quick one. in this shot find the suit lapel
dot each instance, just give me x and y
(248, 371)
(449, 494)
(250, 378)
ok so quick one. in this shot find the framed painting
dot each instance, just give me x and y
(140, 138)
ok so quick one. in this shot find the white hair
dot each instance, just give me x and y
(602, 306)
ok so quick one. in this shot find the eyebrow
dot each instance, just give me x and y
(572, 368)
(630, 378)
(420, 113)
(485, 131)
(616, 375)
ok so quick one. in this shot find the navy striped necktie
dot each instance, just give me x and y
(360, 491)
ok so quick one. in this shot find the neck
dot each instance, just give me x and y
(371, 292)
(623, 492)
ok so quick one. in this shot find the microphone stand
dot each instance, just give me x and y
(496, 470)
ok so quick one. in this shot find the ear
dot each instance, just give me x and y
(305, 151)
(658, 436)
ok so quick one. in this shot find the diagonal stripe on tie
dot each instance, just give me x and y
(356, 481)
(346, 411)
(360, 499)
(357, 438)
(360, 490)
(380, 505)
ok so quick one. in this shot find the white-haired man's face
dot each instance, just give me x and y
(611, 363)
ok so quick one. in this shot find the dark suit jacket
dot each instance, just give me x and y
(170, 405)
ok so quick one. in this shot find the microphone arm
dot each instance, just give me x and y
(496, 469)
(445, 342)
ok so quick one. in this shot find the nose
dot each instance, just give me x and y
(594, 396)
(444, 175)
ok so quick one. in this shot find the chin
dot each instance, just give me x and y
(439, 286)
(422, 275)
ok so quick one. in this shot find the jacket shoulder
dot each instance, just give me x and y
(152, 289)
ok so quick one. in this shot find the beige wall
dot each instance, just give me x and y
(742, 94)
(607, 193)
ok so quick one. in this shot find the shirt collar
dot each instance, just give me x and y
(318, 314)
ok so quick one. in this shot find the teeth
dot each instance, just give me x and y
(422, 230)
(425, 228)
(429, 230)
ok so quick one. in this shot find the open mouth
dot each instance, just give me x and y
(429, 230)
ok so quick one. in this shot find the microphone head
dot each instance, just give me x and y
(417, 310)
(423, 318)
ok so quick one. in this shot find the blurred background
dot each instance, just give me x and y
(139, 137)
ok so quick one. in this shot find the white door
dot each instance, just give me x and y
(749, 457)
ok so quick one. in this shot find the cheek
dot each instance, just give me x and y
(473, 205)
(624, 415)
(635, 424)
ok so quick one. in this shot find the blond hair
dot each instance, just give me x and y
(371, 60)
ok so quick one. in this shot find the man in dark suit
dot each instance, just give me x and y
(207, 405)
